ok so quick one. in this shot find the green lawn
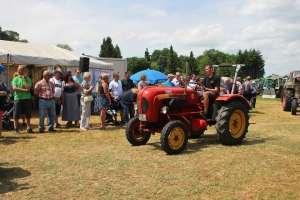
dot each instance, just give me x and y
(101, 164)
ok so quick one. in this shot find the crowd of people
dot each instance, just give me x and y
(212, 86)
(70, 96)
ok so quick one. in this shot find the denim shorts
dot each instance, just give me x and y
(103, 102)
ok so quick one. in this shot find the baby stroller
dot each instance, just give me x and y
(6, 123)
(111, 113)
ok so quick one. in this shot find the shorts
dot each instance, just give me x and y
(22, 106)
(211, 95)
(103, 102)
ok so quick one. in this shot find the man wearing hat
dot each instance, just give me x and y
(56, 80)
(3, 96)
(169, 83)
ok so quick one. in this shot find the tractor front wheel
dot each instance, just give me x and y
(232, 123)
(133, 134)
(174, 137)
(294, 106)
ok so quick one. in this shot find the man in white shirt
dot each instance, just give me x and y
(177, 80)
(193, 82)
(115, 86)
(56, 80)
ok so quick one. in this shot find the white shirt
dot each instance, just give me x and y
(58, 87)
(176, 82)
(116, 87)
(192, 83)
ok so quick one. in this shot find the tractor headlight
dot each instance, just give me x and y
(165, 110)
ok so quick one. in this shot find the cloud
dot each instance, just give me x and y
(271, 26)
(158, 13)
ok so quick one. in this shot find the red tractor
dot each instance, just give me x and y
(176, 114)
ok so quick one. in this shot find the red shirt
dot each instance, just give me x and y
(45, 89)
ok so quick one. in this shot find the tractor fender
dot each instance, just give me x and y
(229, 98)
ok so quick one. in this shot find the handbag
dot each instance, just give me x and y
(88, 98)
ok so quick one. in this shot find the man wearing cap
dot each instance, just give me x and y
(58, 97)
(22, 99)
(169, 83)
(45, 90)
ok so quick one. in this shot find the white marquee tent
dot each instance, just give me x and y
(16, 53)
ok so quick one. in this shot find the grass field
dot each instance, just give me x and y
(99, 164)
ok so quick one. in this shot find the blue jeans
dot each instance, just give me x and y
(46, 106)
(128, 108)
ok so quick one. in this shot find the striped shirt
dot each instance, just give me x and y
(45, 89)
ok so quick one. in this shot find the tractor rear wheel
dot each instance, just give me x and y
(232, 123)
(133, 134)
(294, 106)
(287, 97)
(196, 134)
(174, 137)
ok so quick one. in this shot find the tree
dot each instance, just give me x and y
(107, 48)
(64, 46)
(193, 64)
(171, 64)
(253, 61)
(117, 52)
(155, 55)
(147, 55)
(163, 60)
(135, 64)
(11, 36)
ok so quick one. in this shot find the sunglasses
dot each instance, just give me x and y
(78, 72)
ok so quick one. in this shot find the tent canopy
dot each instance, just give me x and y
(45, 55)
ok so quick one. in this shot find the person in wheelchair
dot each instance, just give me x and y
(210, 88)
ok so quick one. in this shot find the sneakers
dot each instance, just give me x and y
(83, 129)
(16, 131)
(29, 130)
(52, 130)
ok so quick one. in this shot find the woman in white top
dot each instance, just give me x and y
(142, 82)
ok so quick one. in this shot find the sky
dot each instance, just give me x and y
(271, 26)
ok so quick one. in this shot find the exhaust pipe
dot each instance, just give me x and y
(186, 75)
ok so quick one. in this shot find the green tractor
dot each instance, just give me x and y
(273, 85)
(290, 96)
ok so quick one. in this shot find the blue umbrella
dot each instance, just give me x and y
(2, 68)
(153, 76)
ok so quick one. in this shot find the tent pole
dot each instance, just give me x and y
(8, 61)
